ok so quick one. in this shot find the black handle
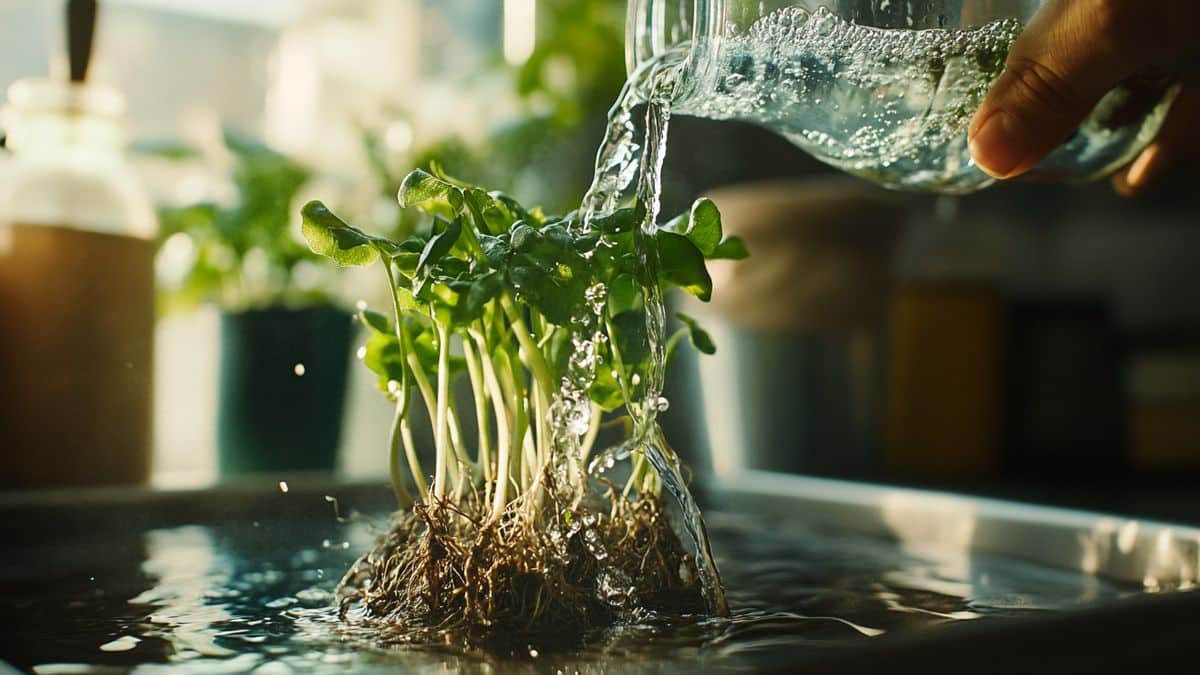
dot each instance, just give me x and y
(81, 29)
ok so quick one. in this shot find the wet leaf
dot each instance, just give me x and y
(700, 338)
(475, 295)
(705, 228)
(624, 295)
(375, 321)
(382, 355)
(424, 191)
(440, 244)
(682, 264)
(621, 220)
(331, 237)
(732, 248)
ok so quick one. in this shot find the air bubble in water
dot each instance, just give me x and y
(823, 81)
(591, 539)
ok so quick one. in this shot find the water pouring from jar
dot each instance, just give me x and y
(901, 92)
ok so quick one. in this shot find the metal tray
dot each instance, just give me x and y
(1144, 633)
(1157, 555)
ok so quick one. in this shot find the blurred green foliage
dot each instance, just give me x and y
(245, 253)
(564, 90)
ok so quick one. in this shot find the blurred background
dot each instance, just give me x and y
(1032, 339)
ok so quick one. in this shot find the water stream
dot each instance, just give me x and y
(625, 163)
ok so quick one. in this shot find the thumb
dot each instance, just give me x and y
(1069, 57)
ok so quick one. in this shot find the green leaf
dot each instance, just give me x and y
(548, 272)
(679, 224)
(732, 248)
(375, 321)
(430, 194)
(701, 340)
(440, 244)
(519, 212)
(524, 236)
(605, 391)
(682, 264)
(624, 294)
(425, 348)
(382, 355)
(331, 237)
(492, 216)
(627, 332)
(621, 220)
(496, 250)
(557, 293)
(705, 228)
(407, 255)
(476, 295)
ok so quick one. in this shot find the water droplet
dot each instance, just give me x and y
(595, 546)
(314, 597)
(299, 370)
(283, 487)
(361, 353)
(121, 644)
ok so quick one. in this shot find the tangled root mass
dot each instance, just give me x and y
(447, 573)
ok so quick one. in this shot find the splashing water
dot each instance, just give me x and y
(626, 161)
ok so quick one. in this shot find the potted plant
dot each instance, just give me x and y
(285, 341)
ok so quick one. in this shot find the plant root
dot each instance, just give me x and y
(452, 574)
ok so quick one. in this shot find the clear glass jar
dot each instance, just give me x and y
(884, 89)
(76, 292)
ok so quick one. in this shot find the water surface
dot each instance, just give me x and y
(254, 595)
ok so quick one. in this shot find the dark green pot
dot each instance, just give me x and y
(269, 418)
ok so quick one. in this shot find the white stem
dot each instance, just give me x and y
(589, 440)
(480, 396)
(414, 464)
(442, 419)
(503, 438)
(394, 447)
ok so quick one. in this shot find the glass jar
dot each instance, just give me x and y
(76, 292)
(883, 89)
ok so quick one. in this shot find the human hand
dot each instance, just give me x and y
(1071, 55)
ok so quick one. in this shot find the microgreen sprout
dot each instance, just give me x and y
(489, 293)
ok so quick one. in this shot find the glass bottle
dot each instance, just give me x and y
(883, 89)
(76, 292)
